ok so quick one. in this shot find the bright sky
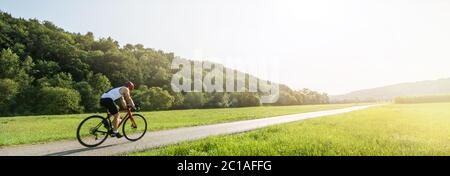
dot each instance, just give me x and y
(335, 46)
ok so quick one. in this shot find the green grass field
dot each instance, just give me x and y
(36, 129)
(395, 129)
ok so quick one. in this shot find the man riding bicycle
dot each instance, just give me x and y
(107, 101)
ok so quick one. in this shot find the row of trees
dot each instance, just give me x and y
(156, 98)
(46, 70)
(287, 96)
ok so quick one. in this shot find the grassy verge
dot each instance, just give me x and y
(35, 129)
(417, 129)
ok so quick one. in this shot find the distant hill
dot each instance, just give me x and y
(388, 93)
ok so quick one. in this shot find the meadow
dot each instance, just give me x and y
(39, 129)
(393, 129)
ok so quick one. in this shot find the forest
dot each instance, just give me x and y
(47, 70)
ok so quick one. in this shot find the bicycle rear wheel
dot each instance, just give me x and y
(93, 131)
(134, 131)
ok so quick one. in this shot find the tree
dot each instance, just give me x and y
(57, 100)
(286, 98)
(26, 100)
(91, 91)
(12, 68)
(217, 100)
(153, 98)
(194, 100)
(9, 64)
(99, 83)
(300, 97)
(244, 99)
(8, 88)
(45, 68)
(117, 66)
(178, 102)
(16, 89)
(86, 41)
(105, 45)
(63, 80)
(89, 99)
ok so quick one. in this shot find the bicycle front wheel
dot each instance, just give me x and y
(134, 128)
(93, 131)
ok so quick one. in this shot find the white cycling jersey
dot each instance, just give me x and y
(114, 94)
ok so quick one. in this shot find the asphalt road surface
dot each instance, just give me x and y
(113, 146)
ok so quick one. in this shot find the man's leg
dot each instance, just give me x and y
(116, 122)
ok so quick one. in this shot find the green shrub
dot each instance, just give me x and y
(194, 100)
(56, 100)
(217, 100)
(154, 98)
(8, 89)
(286, 98)
(89, 99)
(244, 99)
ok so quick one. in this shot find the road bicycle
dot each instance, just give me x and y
(94, 130)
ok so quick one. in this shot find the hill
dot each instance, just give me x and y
(388, 93)
(47, 70)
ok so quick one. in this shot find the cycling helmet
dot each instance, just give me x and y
(130, 85)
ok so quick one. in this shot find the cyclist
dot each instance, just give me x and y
(107, 101)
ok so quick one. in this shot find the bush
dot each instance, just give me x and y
(194, 100)
(286, 98)
(8, 88)
(244, 99)
(89, 99)
(217, 100)
(56, 100)
(178, 102)
(154, 98)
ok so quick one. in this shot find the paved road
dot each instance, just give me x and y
(161, 138)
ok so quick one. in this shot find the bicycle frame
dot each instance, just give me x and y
(127, 115)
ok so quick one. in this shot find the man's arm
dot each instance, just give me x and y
(123, 102)
(128, 97)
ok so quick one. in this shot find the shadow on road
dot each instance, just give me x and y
(68, 152)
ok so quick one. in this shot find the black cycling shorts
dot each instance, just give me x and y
(110, 105)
